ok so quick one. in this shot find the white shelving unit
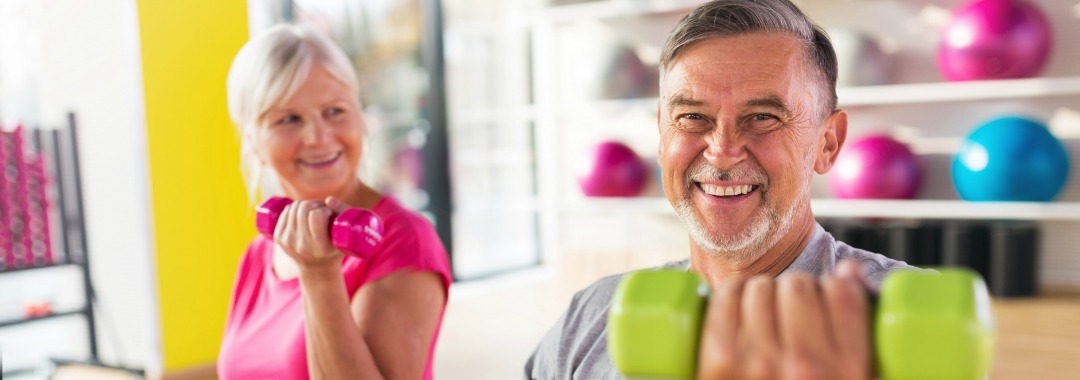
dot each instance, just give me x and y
(930, 114)
(884, 95)
(846, 208)
(607, 9)
(958, 91)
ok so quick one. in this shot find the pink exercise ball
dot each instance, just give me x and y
(994, 39)
(876, 167)
(614, 170)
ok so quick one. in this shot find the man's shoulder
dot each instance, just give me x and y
(576, 347)
(875, 266)
(599, 294)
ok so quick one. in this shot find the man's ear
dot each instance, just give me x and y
(832, 139)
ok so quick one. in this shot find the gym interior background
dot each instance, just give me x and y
(487, 116)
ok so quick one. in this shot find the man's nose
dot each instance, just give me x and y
(726, 147)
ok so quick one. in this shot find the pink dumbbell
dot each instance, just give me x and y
(356, 231)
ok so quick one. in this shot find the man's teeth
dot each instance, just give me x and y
(722, 191)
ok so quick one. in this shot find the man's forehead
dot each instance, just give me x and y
(772, 41)
(748, 58)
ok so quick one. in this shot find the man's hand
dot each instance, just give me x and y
(794, 327)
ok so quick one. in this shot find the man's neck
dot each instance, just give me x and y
(716, 268)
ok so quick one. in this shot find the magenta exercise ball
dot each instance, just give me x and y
(994, 39)
(876, 167)
(614, 170)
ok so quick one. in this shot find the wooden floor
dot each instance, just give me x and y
(1038, 338)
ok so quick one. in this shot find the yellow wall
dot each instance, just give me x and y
(201, 220)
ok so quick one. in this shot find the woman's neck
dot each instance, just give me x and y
(360, 195)
(356, 194)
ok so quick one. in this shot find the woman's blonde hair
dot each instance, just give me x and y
(265, 72)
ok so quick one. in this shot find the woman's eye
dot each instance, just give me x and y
(334, 111)
(288, 119)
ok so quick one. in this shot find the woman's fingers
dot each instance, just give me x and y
(303, 231)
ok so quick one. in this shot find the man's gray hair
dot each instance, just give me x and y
(724, 18)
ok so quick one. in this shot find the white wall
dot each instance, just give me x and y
(84, 58)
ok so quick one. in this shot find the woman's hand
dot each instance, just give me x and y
(795, 327)
(303, 232)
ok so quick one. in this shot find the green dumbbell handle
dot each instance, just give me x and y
(927, 325)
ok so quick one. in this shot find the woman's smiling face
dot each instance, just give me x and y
(314, 139)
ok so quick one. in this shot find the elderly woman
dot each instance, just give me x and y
(300, 307)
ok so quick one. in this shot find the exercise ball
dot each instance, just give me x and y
(876, 167)
(860, 60)
(613, 170)
(1010, 159)
(994, 39)
(408, 164)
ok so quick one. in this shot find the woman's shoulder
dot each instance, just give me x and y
(257, 252)
(407, 233)
(409, 241)
(401, 222)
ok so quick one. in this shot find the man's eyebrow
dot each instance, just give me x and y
(771, 101)
(684, 100)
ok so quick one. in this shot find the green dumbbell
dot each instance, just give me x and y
(926, 326)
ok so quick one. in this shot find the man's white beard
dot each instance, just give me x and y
(746, 245)
(764, 231)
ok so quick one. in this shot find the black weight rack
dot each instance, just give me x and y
(60, 150)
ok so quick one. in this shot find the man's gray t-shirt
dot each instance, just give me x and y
(576, 347)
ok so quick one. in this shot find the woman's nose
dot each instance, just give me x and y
(316, 131)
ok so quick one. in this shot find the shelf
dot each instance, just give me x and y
(946, 209)
(607, 9)
(13, 322)
(18, 372)
(55, 265)
(836, 208)
(957, 91)
(880, 95)
(618, 205)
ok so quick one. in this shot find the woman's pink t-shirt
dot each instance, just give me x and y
(264, 330)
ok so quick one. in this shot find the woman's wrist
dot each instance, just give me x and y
(320, 272)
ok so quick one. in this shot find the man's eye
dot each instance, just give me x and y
(763, 122)
(692, 116)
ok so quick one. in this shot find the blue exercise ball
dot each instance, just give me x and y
(1010, 159)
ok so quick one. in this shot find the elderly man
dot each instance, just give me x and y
(747, 115)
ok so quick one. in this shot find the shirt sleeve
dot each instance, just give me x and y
(576, 347)
(412, 244)
(548, 360)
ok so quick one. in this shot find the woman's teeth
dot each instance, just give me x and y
(725, 191)
(320, 160)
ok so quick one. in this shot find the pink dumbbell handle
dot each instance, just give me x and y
(356, 231)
